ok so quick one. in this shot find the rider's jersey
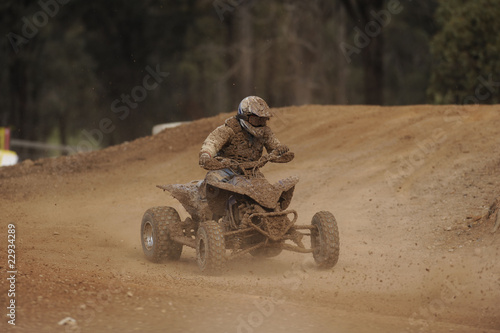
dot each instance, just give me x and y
(233, 142)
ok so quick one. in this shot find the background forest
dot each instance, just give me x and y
(72, 68)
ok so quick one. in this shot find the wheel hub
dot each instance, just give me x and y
(147, 236)
(202, 253)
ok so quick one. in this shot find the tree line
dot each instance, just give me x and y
(72, 66)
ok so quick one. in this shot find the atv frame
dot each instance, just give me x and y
(230, 219)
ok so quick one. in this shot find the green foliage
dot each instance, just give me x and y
(465, 51)
(407, 56)
(63, 82)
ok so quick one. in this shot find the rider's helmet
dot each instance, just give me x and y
(253, 113)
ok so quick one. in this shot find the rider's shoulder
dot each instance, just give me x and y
(232, 123)
(223, 132)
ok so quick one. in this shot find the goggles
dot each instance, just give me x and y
(257, 121)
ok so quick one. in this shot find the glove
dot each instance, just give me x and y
(280, 150)
(205, 159)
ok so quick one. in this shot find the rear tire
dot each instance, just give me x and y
(156, 240)
(325, 239)
(210, 247)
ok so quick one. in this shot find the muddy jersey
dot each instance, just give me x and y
(231, 141)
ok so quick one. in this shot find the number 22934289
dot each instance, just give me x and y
(11, 247)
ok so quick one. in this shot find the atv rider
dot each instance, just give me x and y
(239, 143)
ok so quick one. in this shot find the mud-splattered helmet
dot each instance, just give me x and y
(253, 105)
(253, 114)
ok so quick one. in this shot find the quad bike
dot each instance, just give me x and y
(247, 214)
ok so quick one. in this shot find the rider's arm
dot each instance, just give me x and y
(216, 140)
(273, 145)
(213, 144)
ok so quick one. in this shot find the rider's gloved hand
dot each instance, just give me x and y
(205, 159)
(281, 149)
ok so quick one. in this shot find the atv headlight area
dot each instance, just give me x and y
(273, 225)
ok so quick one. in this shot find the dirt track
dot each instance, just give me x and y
(408, 186)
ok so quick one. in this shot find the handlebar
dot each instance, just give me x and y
(273, 158)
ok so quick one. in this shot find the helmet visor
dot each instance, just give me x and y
(257, 121)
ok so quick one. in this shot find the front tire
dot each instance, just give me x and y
(210, 247)
(156, 240)
(325, 239)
